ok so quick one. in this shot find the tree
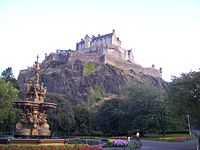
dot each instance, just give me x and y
(146, 109)
(184, 96)
(84, 117)
(143, 107)
(7, 74)
(109, 117)
(61, 119)
(8, 94)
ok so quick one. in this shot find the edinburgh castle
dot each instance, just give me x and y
(102, 49)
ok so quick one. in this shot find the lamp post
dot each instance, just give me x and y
(188, 119)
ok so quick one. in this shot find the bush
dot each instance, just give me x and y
(89, 67)
(109, 143)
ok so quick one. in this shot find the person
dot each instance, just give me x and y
(137, 141)
(137, 135)
(128, 138)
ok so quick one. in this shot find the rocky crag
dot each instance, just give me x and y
(86, 81)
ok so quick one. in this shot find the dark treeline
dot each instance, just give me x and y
(141, 107)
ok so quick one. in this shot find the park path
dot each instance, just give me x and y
(155, 145)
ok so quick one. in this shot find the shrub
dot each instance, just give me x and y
(109, 143)
(89, 67)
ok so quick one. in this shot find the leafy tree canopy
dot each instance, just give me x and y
(84, 117)
(61, 119)
(8, 94)
(185, 95)
(143, 107)
(146, 108)
(7, 74)
(108, 117)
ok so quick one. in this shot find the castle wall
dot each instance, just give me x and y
(115, 40)
(85, 57)
(101, 42)
(60, 57)
(110, 56)
(153, 72)
(85, 50)
(81, 45)
(87, 40)
(127, 66)
(114, 53)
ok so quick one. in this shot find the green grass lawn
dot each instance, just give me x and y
(166, 138)
(170, 137)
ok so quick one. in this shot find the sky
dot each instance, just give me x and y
(165, 33)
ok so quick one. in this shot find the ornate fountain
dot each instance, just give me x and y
(33, 127)
(33, 122)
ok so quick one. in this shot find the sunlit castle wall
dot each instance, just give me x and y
(84, 57)
(127, 65)
(115, 39)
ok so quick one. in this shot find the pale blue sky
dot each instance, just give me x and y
(161, 32)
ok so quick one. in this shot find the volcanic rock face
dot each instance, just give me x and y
(78, 84)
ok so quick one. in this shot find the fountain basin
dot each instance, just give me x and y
(34, 105)
(33, 123)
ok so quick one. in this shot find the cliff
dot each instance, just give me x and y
(85, 82)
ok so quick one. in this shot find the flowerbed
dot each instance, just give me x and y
(120, 143)
(48, 147)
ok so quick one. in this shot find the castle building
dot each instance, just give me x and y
(101, 43)
(103, 49)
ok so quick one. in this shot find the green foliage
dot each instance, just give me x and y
(84, 119)
(8, 94)
(95, 95)
(143, 107)
(89, 67)
(109, 143)
(7, 74)
(108, 117)
(61, 119)
(146, 108)
(184, 96)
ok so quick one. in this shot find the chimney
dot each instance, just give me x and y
(160, 69)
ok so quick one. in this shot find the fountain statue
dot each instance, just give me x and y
(33, 122)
